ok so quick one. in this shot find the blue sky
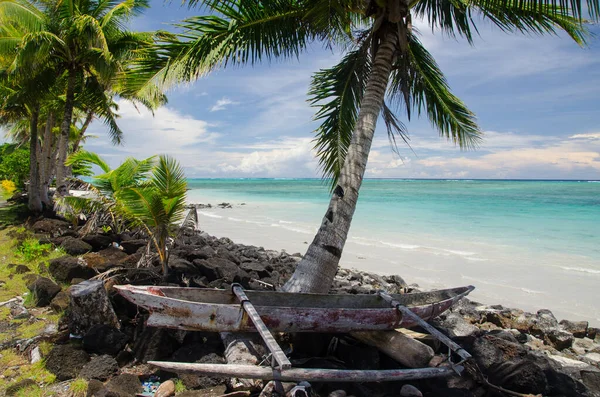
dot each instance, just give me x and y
(536, 98)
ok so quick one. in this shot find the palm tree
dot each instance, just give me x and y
(107, 188)
(159, 205)
(85, 39)
(146, 193)
(83, 55)
(384, 59)
(20, 109)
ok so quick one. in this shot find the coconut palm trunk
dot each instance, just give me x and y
(34, 198)
(316, 271)
(88, 120)
(45, 161)
(65, 128)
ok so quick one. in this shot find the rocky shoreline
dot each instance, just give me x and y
(525, 353)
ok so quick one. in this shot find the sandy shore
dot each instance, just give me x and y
(430, 268)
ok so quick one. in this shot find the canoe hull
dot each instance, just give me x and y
(193, 315)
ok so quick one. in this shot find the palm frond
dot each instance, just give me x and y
(561, 8)
(452, 17)
(83, 156)
(337, 93)
(168, 177)
(22, 14)
(246, 32)
(122, 10)
(394, 127)
(525, 16)
(418, 83)
(87, 26)
(143, 205)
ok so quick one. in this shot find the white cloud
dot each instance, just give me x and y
(556, 160)
(222, 104)
(287, 156)
(593, 135)
(503, 155)
(167, 131)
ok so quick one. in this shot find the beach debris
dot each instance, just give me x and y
(404, 349)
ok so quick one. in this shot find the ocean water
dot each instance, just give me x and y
(528, 244)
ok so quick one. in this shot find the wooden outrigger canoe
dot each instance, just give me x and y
(213, 310)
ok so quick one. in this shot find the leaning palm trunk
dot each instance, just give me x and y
(34, 198)
(88, 120)
(316, 271)
(65, 127)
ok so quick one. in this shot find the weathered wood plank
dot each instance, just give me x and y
(428, 327)
(308, 374)
(402, 348)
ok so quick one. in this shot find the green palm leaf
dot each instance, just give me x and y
(418, 78)
(527, 17)
(337, 93)
(90, 158)
(168, 177)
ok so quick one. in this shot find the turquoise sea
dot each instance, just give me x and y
(515, 240)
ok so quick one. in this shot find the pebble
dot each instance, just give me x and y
(410, 391)
(593, 357)
(568, 362)
(36, 355)
(166, 389)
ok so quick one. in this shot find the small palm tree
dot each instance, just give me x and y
(148, 193)
(107, 189)
(385, 64)
(158, 205)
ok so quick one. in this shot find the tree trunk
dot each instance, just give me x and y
(65, 127)
(316, 271)
(88, 120)
(34, 199)
(45, 161)
(89, 306)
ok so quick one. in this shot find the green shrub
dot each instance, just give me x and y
(179, 386)
(31, 249)
(14, 164)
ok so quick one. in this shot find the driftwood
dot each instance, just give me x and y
(13, 300)
(402, 348)
(278, 355)
(90, 306)
(243, 348)
(407, 313)
(307, 374)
